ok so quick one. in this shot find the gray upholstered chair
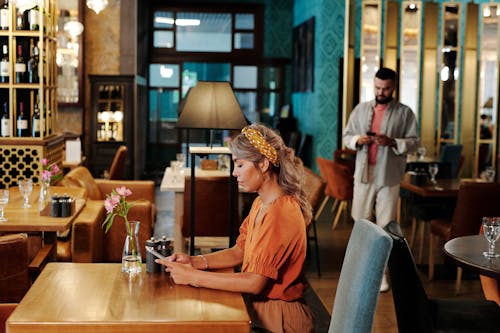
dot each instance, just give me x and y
(359, 284)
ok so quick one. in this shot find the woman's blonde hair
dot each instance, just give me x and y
(289, 169)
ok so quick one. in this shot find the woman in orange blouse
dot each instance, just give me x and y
(271, 247)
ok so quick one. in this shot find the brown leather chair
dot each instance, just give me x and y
(118, 164)
(340, 184)
(211, 211)
(5, 310)
(89, 243)
(14, 267)
(474, 200)
(314, 187)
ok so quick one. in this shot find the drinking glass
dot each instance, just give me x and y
(4, 199)
(433, 170)
(489, 173)
(25, 188)
(491, 228)
(177, 169)
(421, 153)
(181, 157)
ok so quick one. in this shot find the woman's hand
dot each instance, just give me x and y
(180, 273)
(178, 257)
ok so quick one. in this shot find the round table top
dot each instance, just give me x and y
(467, 252)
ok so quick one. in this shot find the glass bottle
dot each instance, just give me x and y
(20, 66)
(33, 66)
(4, 16)
(22, 122)
(131, 258)
(34, 18)
(5, 121)
(20, 21)
(4, 65)
(35, 124)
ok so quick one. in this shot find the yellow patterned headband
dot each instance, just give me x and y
(257, 140)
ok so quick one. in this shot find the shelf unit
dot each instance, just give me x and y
(112, 121)
(22, 155)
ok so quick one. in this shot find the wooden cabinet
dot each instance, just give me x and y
(111, 121)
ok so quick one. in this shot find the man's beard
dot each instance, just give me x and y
(383, 100)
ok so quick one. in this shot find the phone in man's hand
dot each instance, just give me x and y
(369, 133)
(155, 253)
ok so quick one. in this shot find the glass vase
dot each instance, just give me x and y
(131, 257)
(44, 196)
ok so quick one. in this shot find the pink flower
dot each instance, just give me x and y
(109, 205)
(123, 191)
(45, 161)
(54, 169)
(117, 205)
(46, 174)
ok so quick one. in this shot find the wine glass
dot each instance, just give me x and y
(433, 170)
(421, 153)
(25, 188)
(489, 173)
(4, 199)
(491, 228)
(181, 157)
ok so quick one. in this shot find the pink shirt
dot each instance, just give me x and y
(378, 115)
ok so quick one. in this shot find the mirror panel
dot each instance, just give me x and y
(69, 52)
(488, 87)
(410, 54)
(371, 16)
(449, 73)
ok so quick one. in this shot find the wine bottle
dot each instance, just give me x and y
(34, 18)
(4, 16)
(35, 123)
(33, 66)
(5, 121)
(20, 66)
(22, 122)
(4, 65)
(20, 21)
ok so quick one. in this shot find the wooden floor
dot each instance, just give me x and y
(332, 248)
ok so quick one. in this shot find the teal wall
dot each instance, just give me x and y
(318, 111)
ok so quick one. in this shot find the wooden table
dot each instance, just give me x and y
(177, 186)
(29, 220)
(467, 252)
(71, 297)
(443, 188)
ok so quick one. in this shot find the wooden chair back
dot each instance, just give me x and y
(118, 164)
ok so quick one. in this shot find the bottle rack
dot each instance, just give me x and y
(43, 92)
(21, 156)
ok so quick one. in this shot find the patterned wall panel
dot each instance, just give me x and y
(318, 111)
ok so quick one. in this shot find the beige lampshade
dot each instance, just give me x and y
(211, 105)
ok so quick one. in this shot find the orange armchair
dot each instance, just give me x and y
(88, 241)
(339, 178)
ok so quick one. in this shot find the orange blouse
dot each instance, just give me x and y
(276, 247)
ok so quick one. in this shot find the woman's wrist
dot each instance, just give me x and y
(203, 262)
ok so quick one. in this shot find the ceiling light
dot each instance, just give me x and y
(97, 5)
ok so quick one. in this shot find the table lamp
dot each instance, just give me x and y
(211, 105)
